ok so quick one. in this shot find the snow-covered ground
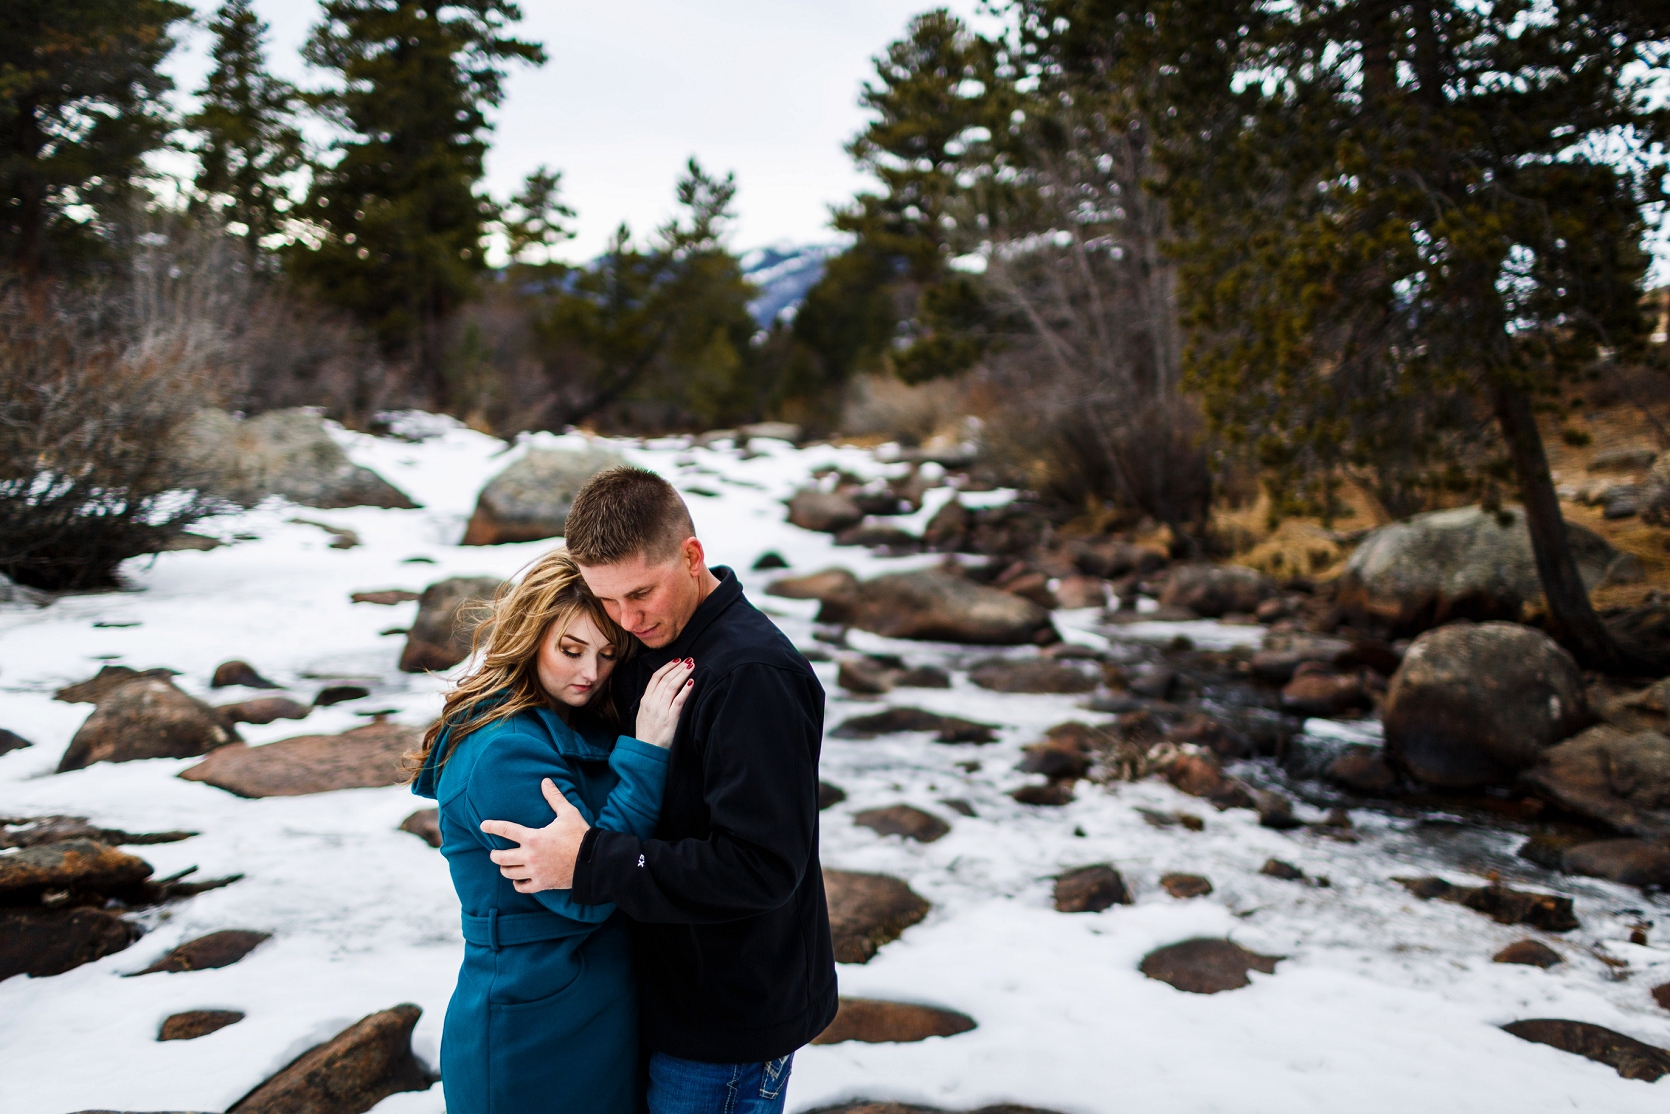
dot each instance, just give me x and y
(1383, 1002)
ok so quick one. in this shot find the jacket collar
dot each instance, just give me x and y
(569, 742)
(728, 592)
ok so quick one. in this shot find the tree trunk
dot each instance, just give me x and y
(1571, 618)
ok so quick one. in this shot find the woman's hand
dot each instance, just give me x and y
(663, 701)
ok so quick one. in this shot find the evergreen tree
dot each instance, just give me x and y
(664, 328)
(935, 92)
(249, 138)
(399, 225)
(81, 105)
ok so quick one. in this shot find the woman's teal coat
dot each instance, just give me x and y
(545, 1016)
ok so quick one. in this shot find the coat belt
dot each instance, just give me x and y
(502, 931)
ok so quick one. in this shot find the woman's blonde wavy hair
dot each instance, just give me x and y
(506, 645)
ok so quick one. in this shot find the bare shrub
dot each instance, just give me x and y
(881, 404)
(93, 387)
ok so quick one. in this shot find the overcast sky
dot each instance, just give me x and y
(767, 88)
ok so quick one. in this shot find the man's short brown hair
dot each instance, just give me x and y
(624, 512)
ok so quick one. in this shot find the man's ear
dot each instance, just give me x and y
(695, 560)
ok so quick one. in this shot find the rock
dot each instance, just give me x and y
(1051, 794)
(1661, 995)
(530, 499)
(337, 694)
(879, 535)
(902, 820)
(1163, 820)
(1629, 458)
(264, 710)
(877, 1022)
(281, 452)
(1154, 679)
(1475, 704)
(829, 795)
(196, 1023)
(1032, 586)
(80, 866)
(770, 559)
(1530, 953)
(1632, 862)
(770, 431)
(11, 740)
(1620, 779)
(108, 680)
(935, 605)
(349, 1074)
(826, 512)
(217, 949)
(188, 542)
(448, 613)
(1502, 904)
(1629, 1057)
(45, 942)
(865, 676)
(1055, 760)
(1200, 775)
(145, 718)
(1090, 889)
(1030, 675)
(1107, 558)
(367, 756)
(1324, 694)
(1212, 591)
(959, 806)
(1274, 811)
(923, 677)
(1455, 564)
(1287, 872)
(1362, 769)
(1654, 500)
(947, 729)
(341, 536)
(15, 595)
(34, 831)
(867, 911)
(1185, 885)
(1206, 966)
(425, 823)
(234, 672)
(836, 589)
(386, 597)
(1081, 591)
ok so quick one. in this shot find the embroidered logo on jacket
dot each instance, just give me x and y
(640, 860)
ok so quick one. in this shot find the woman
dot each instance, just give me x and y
(544, 1018)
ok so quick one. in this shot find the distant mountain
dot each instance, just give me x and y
(784, 272)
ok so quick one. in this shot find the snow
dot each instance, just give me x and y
(1383, 1002)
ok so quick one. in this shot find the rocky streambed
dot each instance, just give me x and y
(1101, 829)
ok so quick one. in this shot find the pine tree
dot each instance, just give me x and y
(399, 224)
(249, 137)
(81, 105)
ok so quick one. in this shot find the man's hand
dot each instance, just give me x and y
(545, 858)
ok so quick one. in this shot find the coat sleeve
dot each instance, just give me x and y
(506, 787)
(762, 731)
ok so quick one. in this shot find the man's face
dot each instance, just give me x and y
(653, 601)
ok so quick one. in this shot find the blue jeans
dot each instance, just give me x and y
(692, 1087)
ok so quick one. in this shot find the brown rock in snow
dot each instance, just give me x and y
(867, 911)
(349, 1074)
(1206, 966)
(367, 756)
(197, 1023)
(878, 1022)
(1090, 889)
(145, 718)
(1629, 1057)
(903, 820)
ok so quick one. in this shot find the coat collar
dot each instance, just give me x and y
(571, 743)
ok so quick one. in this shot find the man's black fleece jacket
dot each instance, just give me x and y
(730, 926)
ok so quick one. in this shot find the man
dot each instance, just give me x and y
(731, 932)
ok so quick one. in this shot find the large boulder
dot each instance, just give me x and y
(282, 452)
(1620, 778)
(936, 605)
(1466, 563)
(1030, 675)
(867, 911)
(107, 680)
(531, 498)
(448, 614)
(1211, 591)
(828, 512)
(1473, 704)
(1632, 862)
(373, 755)
(146, 718)
(348, 1074)
(77, 866)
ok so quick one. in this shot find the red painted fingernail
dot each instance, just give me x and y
(689, 663)
(690, 682)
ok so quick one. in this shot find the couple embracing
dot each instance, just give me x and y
(627, 781)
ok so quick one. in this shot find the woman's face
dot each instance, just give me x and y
(574, 663)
